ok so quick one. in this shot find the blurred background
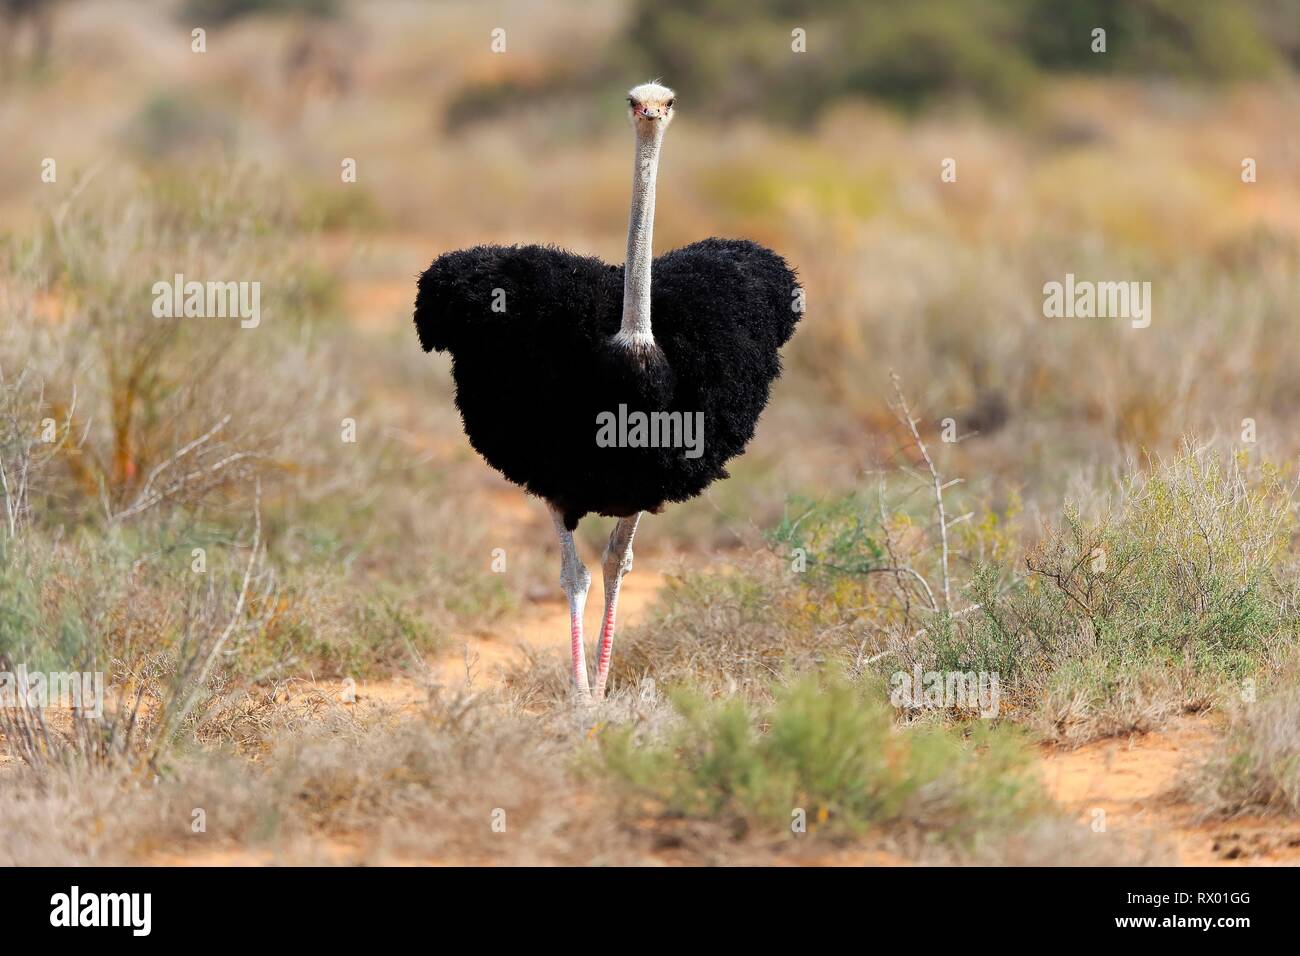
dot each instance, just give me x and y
(1118, 165)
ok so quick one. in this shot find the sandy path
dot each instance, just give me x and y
(483, 659)
(479, 660)
(1133, 782)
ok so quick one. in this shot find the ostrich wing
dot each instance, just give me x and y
(703, 294)
(497, 296)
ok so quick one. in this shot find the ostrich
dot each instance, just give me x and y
(548, 346)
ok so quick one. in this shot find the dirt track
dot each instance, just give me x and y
(1133, 783)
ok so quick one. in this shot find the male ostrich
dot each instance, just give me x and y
(544, 341)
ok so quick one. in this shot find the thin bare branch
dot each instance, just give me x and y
(904, 413)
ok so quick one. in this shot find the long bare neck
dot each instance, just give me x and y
(640, 238)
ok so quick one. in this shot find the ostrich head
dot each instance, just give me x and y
(650, 105)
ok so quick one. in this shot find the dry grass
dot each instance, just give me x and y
(1256, 768)
(471, 780)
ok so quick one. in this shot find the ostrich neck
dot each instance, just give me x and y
(640, 235)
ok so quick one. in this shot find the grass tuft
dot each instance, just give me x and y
(826, 749)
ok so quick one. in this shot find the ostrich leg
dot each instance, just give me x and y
(616, 563)
(575, 579)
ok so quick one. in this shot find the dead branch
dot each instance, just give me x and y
(904, 413)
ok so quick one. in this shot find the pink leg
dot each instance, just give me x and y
(617, 562)
(575, 580)
(577, 649)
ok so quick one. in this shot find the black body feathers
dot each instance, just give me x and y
(533, 375)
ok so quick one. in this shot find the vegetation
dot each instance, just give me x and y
(1256, 767)
(1159, 603)
(826, 757)
(909, 55)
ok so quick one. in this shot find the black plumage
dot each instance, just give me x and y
(532, 377)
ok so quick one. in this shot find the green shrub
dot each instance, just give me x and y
(169, 125)
(1143, 610)
(723, 51)
(838, 537)
(826, 746)
(52, 602)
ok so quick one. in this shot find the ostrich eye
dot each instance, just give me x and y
(671, 102)
(631, 102)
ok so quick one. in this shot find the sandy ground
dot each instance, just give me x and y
(1129, 786)
(479, 660)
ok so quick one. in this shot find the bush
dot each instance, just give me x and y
(1144, 610)
(827, 747)
(1120, 619)
(908, 53)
